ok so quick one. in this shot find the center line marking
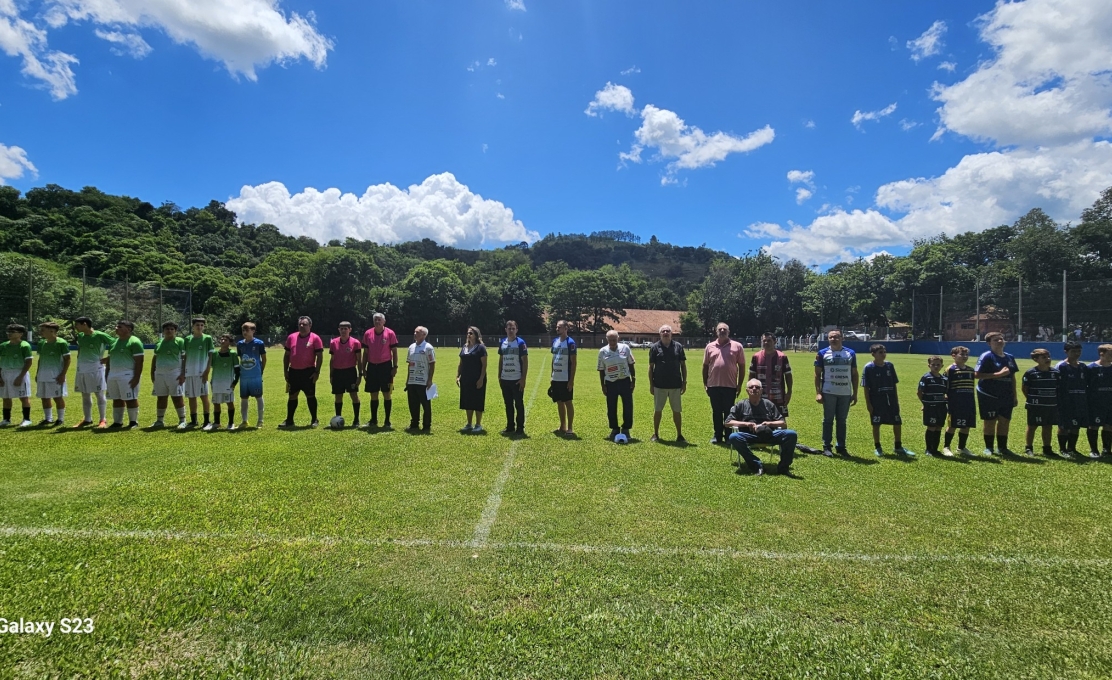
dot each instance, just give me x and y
(494, 501)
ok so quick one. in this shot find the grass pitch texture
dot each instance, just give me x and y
(313, 553)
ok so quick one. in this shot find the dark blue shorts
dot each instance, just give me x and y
(1041, 416)
(934, 415)
(994, 407)
(1073, 411)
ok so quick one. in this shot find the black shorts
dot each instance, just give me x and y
(963, 411)
(1073, 413)
(934, 415)
(885, 411)
(1100, 415)
(559, 391)
(1039, 416)
(994, 407)
(301, 380)
(345, 380)
(379, 377)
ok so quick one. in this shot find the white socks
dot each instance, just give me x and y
(87, 406)
(244, 402)
(48, 413)
(102, 404)
(117, 415)
(133, 415)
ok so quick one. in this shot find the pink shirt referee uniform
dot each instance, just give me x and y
(724, 361)
(344, 354)
(378, 345)
(303, 350)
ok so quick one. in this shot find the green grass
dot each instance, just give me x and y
(314, 553)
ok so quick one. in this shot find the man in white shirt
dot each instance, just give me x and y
(617, 376)
(421, 358)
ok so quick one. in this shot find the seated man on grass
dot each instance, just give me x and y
(759, 421)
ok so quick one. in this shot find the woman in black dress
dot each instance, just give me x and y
(471, 378)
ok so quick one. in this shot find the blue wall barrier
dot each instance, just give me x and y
(1020, 350)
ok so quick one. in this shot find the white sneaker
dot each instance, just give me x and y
(467, 428)
(26, 423)
(207, 427)
(477, 428)
(258, 425)
(947, 452)
(183, 425)
(987, 452)
(158, 423)
(232, 426)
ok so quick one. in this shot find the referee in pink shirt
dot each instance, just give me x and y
(723, 377)
(301, 363)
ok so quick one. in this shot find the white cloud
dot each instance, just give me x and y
(802, 177)
(14, 162)
(491, 62)
(1049, 82)
(809, 124)
(630, 70)
(906, 124)
(440, 208)
(862, 116)
(485, 147)
(947, 66)
(21, 38)
(242, 35)
(128, 43)
(611, 98)
(928, 44)
(500, 95)
(688, 146)
(802, 195)
(516, 4)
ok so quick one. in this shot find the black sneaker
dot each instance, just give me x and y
(842, 452)
(1048, 450)
(760, 469)
(827, 451)
(680, 439)
(133, 425)
(115, 426)
(613, 433)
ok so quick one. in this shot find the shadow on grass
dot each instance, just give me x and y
(982, 459)
(951, 459)
(850, 458)
(1020, 458)
(674, 444)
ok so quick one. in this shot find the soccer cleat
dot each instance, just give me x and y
(965, 452)
(654, 438)
(1007, 452)
(158, 423)
(1029, 452)
(1065, 454)
(1048, 451)
(243, 425)
(231, 427)
(285, 425)
(828, 452)
(842, 451)
(82, 423)
(987, 452)
(947, 452)
(356, 425)
(387, 426)
(102, 424)
(60, 423)
(46, 423)
(115, 426)
(1094, 454)
(133, 425)
(879, 452)
(679, 438)
(315, 423)
(477, 429)
(207, 427)
(258, 425)
(467, 428)
(26, 423)
(183, 425)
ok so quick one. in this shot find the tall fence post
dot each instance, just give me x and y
(978, 330)
(30, 302)
(160, 307)
(1020, 329)
(1065, 331)
(913, 314)
(941, 328)
(127, 292)
(82, 291)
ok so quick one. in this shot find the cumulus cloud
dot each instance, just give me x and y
(928, 44)
(802, 195)
(631, 70)
(687, 146)
(21, 38)
(802, 177)
(440, 208)
(131, 44)
(862, 116)
(947, 66)
(242, 35)
(611, 98)
(14, 162)
(519, 5)
(1049, 82)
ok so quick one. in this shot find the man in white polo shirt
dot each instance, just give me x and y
(616, 373)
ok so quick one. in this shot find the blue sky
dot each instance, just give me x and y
(418, 109)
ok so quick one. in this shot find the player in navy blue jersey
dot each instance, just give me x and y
(881, 399)
(1073, 399)
(1040, 391)
(995, 372)
(932, 393)
(961, 401)
(1100, 401)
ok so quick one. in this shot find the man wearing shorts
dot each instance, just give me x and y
(563, 378)
(199, 349)
(301, 362)
(168, 375)
(344, 353)
(15, 374)
(667, 381)
(89, 379)
(252, 363)
(995, 373)
(125, 367)
(380, 365)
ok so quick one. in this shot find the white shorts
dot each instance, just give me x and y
(12, 389)
(195, 387)
(666, 396)
(90, 381)
(51, 390)
(119, 386)
(223, 397)
(166, 385)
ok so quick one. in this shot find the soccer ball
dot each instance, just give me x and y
(336, 423)
(621, 439)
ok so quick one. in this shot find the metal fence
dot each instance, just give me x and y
(1082, 309)
(147, 304)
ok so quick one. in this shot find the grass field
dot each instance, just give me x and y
(313, 553)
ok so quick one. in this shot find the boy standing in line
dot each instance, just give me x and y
(421, 360)
(168, 374)
(932, 394)
(343, 366)
(1040, 392)
(15, 374)
(125, 368)
(960, 401)
(1100, 402)
(199, 349)
(252, 361)
(54, 363)
(513, 367)
(995, 373)
(1073, 399)
(89, 379)
(881, 399)
(563, 378)
(225, 375)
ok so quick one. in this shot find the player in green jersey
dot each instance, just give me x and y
(225, 376)
(125, 367)
(15, 368)
(54, 364)
(199, 349)
(168, 374)
(89, 378)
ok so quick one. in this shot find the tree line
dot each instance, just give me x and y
(240, 272)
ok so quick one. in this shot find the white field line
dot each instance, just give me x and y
(635, 550)
(494, 501)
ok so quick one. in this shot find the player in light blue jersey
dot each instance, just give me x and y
(252, 362)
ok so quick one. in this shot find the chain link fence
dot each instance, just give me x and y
(1040, 312)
